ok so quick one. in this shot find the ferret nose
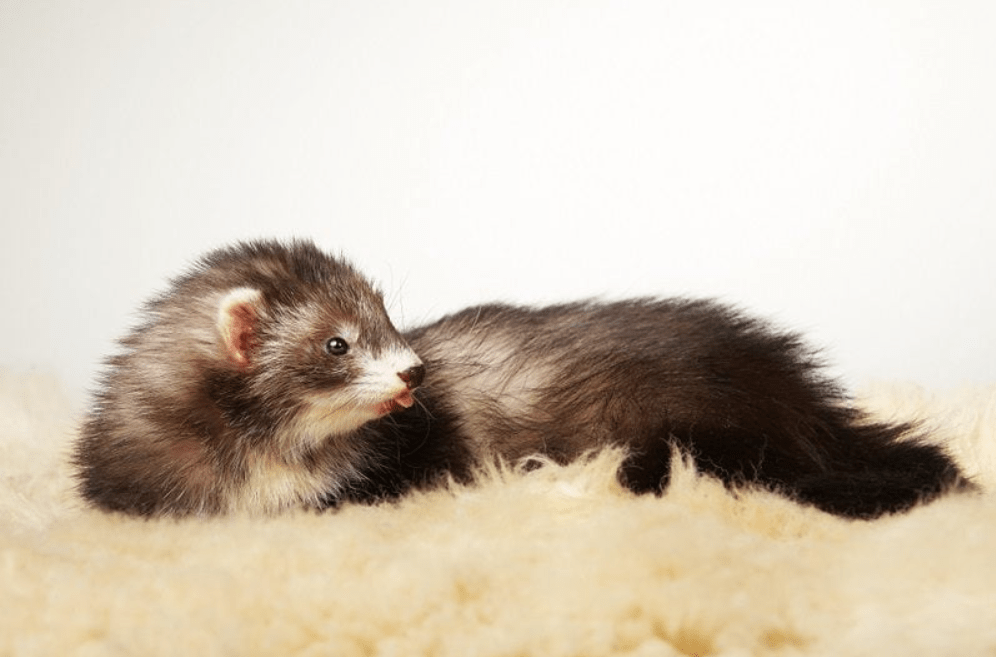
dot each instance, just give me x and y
(413, 376)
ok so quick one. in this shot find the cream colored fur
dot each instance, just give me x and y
(559, 561)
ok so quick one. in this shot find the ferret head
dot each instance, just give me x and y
(309, 341)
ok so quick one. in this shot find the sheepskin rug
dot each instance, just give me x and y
(556, 561)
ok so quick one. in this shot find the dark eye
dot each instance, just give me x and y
(337, 347)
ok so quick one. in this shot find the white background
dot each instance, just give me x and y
(828, 165)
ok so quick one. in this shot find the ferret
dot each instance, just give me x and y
(270, 377)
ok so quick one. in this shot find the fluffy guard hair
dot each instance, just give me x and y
(747, 402)
(245, 387)
(270, 376)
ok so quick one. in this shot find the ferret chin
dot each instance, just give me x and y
(270, 377)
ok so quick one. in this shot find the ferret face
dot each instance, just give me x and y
(330, 362)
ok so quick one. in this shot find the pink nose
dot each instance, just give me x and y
(413, 376)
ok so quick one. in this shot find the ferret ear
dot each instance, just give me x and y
(238, 318)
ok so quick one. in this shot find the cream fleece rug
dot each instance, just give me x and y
(558, 561)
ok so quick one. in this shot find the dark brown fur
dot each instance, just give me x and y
(226, 397)
(749, 403)
(186, 416)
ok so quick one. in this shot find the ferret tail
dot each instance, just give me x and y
(880, 469)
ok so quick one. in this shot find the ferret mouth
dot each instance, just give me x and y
(400, 401)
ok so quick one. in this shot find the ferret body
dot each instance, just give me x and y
(270, 377)
(747, 402)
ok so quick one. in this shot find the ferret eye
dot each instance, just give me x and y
(337, 347)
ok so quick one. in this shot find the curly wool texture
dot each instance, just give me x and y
(555, 561)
